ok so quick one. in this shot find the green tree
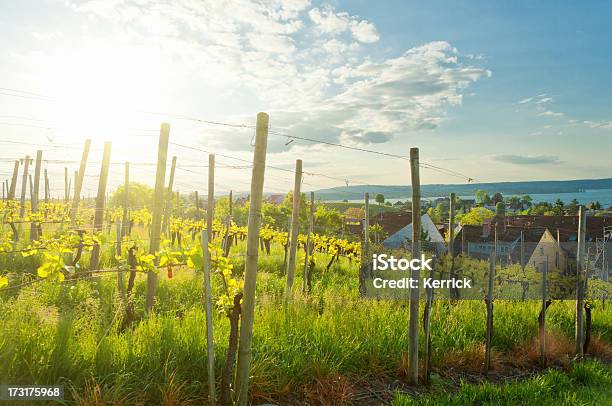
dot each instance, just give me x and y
(482, 197)
(497, 197)
(475, 217)
(380, 198)
(500, 209)
(139, 196)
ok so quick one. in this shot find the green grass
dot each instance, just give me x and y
(70, 333)
(587, 383)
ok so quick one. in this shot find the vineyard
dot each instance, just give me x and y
(156, 305)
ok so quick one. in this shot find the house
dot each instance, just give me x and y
(275, 199)
(403, 236)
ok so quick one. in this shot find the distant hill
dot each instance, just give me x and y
(466, 189)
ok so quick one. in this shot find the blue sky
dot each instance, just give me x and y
(498, 91)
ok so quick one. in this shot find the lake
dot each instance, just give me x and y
(603, 196)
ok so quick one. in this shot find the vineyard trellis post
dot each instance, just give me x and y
(295, 227)
(543, 314)
(454, 292)
(427, 329)
(66, 192)
(365, 252)
(250, 267)
(580, 261)
(209, 321)
(197, 205)
(24, 182)
(168, 198)
(34, 196)
(210, 208)
(46, 186)
(158, 206)
(78, 181)
(126, 192)
(489, 303)
(100, 200)
(11, 192)
(307, 249)
(413, 324)
(119, 252)
(226, 240)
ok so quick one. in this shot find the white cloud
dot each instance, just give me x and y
(599, 124)
(306, 66)
(549, 113)
(327, 20)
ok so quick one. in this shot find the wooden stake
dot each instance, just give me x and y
(158, 206)
(427, 329)
(78, 182)
(126, 192)
(489, 302)
(24, 183)
(209, 321)
(168, 199)
(295, 226)
(11, 193)
(66, 189)
(34, 194)
(305, 285)
(365, 252)
(413, 326)
(250, 267)
(454, 292)
(543, 313)
(210, 209)
(118, 252)
(100, 204)
(226, 239)
(580, 259)
(47, 190)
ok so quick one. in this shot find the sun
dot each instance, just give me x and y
(100, 90)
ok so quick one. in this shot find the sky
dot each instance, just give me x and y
(492, 91)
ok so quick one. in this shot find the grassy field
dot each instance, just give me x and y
(329, 347)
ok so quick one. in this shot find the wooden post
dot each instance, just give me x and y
(427, 329)
(226, 239)
(46, 186)
(126, 192)
(197, 205)
(295, 226)
(413, 326)
(100, 204)
(489, 302)
(365, 252)
(307, 253)
(158, 206)
(209, 321)
(66, 190)
(168, 198)
(522, 250)
(543, 313)
(118, 252)
(210, 208)
(454, 292)
(34, 194)
(78, 182)
(24, 183)
(11, 193)
(580, 259)
(250, 267)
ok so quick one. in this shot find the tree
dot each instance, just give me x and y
(482, 197)
(497, 197)
(500, 209)
(514, 202)
(139, 196)
(380, 198)
(327, 220)
(526, 201)
(572, 207)
(475, 217)
(557, 208)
